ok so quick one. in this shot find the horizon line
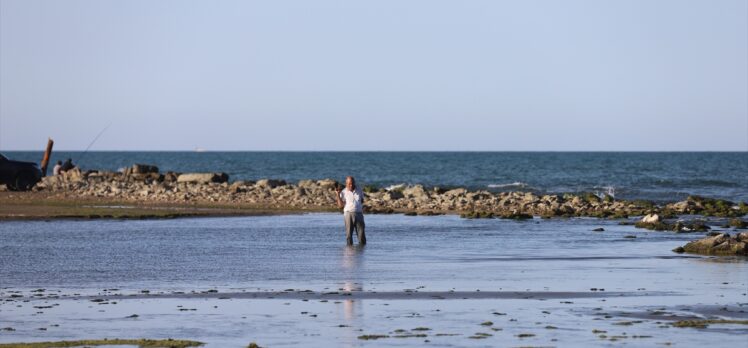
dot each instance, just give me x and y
(396, 151)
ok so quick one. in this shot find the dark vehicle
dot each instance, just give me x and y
(17, 175)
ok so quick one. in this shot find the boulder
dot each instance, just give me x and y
(271, 183)
(738, 223)
(327, 183)
(143, 169)
(238, 187)
(171, 177)
(203, 178)
(307, 183)
(73, 175)
(721, 244)
(392, 195)
(651, 219)
(416, 192)
(456, 192)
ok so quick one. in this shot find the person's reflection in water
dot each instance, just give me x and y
(351, 266)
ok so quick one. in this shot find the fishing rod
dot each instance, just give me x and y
(83, 155)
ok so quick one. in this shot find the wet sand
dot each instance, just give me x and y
(389, 320)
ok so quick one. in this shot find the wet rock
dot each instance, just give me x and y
(416, 192)
(707, 206)
(515, 216)
(693, 226)
(738, 223)
(650, 219)
(477, 215)
(271, 183)
(392, 195)
(203, 178)
(456, 192)
(143, 169)
(721, 244)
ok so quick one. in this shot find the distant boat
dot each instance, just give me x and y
(199, 149)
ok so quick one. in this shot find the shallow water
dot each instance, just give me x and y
(403, 279)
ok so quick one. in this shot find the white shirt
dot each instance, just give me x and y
(56, 170)
(353, 200)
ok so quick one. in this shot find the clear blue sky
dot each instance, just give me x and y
(375, 75)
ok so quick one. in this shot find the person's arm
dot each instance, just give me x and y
(337, 197)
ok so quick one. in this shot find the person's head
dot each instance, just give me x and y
(59, 162)
(350, 183)
(70, 160)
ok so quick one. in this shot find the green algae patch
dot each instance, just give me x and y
(372, 337)
(480, 336)
(166, 343)
(704, 323)
(420, 335)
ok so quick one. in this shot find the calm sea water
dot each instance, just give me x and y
(656, 176)
(308, 251)
(641, 278)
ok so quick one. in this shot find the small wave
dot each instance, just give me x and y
(602, 191)
(395, 187)
(514, 184)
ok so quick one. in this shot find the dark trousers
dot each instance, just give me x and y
(354, 221)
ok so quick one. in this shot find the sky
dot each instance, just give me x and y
(387, 75)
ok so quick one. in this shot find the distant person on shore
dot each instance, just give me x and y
(68, 165)
(56, 169)
(351, 199)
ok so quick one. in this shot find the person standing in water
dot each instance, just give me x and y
(351, 199)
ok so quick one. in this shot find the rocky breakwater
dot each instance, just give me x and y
(144, 184)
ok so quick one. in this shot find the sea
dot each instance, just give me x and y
(656, 176)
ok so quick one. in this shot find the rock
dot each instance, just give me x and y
(599, 229)
(72, 175)
(144, 169)
(721, 244)
(271, 183)
(477, 215)
(738, 223)
(516, 216)
(328, 183)
(307, 183)
(416, 192)
(202, 178)
(651, 219)
(477, 196)
(392, 195)
(171, 177)
(238, 187)
(693, 226)
(456, 192)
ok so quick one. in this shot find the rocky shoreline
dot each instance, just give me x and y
(211, 194)
(144, 183)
